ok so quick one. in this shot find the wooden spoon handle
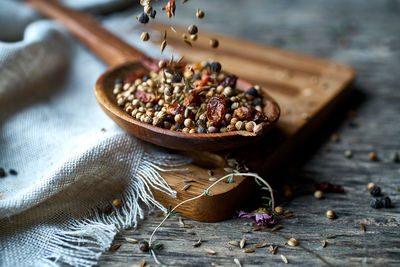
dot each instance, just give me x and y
(111, 49)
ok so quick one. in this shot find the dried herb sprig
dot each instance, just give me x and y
(206, 192)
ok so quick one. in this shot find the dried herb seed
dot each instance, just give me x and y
(237, 262)
(284, 259)
(181, 223)
(210, 251)
(188, 43)
(186, 187)
(363, 228)
(163, 45)
(131, 240)
(249, 250)
(330, 214)
(260, 245)
(197, 244)
(324, 243)
(273, 249)
(117, 203)
(234, 243)
(214, 43)
(293, 242)
(242, 243)
(145, 36)
(143, 263)
(116, 246)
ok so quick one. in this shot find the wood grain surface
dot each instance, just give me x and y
(363, 34)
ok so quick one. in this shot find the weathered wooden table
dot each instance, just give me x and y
(364, 34)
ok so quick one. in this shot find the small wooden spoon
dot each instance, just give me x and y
(123, 59)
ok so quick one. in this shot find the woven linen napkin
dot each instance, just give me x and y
(71, 159)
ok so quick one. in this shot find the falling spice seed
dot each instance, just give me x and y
(210, 251)
(188, 43)
(193, 37)
(162, 64)
(192, 29)
(163, 45)
(13, 172)
(214, 43)
(145, 36)
(284, 259)
(173, 29)
(199, 13)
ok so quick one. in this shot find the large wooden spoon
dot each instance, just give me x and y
(123, 59)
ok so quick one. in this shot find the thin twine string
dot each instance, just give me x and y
(205, 192)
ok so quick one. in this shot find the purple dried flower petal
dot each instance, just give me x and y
(259, 219)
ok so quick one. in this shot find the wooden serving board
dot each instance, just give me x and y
(308, 90)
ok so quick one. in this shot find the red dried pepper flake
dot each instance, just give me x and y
(192, 98)
(243, 113)
(135, 75)
(229, 80)
(249, 113)
(204, 80)
(170, 8)
(176, 109)
(330, 188)
(145, 96)
(216, 109)
(150, 63)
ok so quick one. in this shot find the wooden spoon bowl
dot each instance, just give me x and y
(173, 139)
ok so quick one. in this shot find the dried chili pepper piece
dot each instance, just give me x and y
(145, 96)
(192, 98)
(150, 63)
(216, 109)
(170, 8)
(176, 109)
(328, 187)
(229, 80)
(135, 75)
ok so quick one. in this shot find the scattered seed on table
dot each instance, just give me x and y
(370, 185)
(131, 240)
(143, 245)
(318, 194)
(181, 223)
(186, 187)
(197, 244)
(244, 230)
(199, 13)
(237, 262)
(273, 249)
(363, 228)
(188, 181)
(242, 243)
(375, 191)
(348, 154)
(210, 172)
(2, 173)
(117, 203)
(335, 138)
(396, 158)
(190, 232)
(249, 250)
(278, 210)
(234, 243)
(210, 251)
(386, 202)
(143, 263)
(372, 156)
(212, 179)
(330, 214)
(13, 172)
(293, 242)
(375, 203)
(116, 246)
(214, 43)
(173, 29)
(260, 245)
(163, 45)
(145, 36)
(324, 243)
(193, 37)
(284, 259)
(255, 229)
(277, 227)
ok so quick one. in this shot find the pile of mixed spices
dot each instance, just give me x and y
(190, 98)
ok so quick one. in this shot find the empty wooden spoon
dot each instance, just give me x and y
(123, 59)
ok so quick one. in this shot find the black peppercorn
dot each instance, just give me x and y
(2, 173)
(143, 18)
(157, 108)
(252, 91)
(143, 245)
(215, 66)
(13, 172)
(145, 78)
(375, 191)
(386, 202)
(376, 203)
(177, 77)
(170, 118)
(179, 126)
(201, 123)
(153, 13)
(201, 130)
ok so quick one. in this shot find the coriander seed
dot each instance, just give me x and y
(193, 37)
(278, 210)
(372, 156)
(214, 43)
(293, 242)
(117, 203)
(178, 118)
(330, 214)
(199, 13)
(370, 185)
(258, 129)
